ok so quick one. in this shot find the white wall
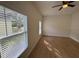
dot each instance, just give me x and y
(75, 26)
(33, 15)
(62, 25)
(57, 25)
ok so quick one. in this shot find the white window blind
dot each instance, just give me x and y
(13, 33)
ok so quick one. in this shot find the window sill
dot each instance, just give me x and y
(11, 35)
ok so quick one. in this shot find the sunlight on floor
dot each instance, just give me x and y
(57, 52)
(52, 49)
(47, 43)
(49, 48)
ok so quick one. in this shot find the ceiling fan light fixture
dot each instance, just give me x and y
(65, 6)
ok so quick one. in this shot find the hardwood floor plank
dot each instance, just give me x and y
(55, 47)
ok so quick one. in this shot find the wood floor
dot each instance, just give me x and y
(56, 47)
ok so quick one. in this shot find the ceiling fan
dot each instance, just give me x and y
(64, 4)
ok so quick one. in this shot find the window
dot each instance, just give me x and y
(14, 22)
(11, 22)
(40, 27)
(13, 33)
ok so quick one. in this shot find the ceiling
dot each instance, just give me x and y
(45, 7)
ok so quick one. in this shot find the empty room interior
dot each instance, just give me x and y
(39, 29)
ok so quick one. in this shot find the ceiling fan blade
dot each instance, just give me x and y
(65, 2)
(70, 1)
(71, 5)
(56, 6)
(60, 8)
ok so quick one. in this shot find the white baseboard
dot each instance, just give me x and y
(64, 36)
(58, 35)
(74, 39)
